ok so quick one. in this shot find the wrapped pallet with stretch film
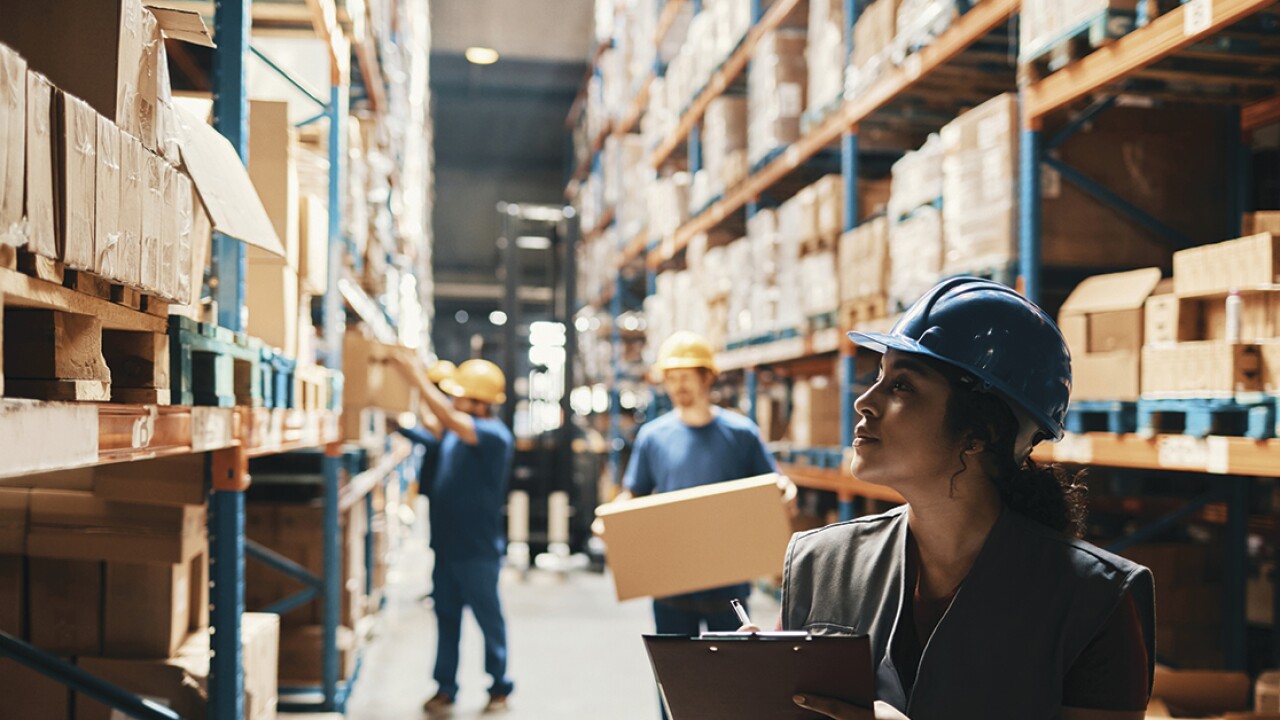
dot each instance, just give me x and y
(825, 54)
(775, 92)
(919, 22)
(872, 37)
(915, 256)
(863, 257)
(1046, 24)
(979, 187)
(917, 179)
(724, 137)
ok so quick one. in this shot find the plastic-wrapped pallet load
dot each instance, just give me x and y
(864, 261)
(825, 53)
(776, 92)
(917, 178)
(1046, 23)
(919, 22)
(635, 177)
(915, 255)
(872, 37)
(724, 137)
(979, 187)
(13, 113)
(798, 218)
(821, 292)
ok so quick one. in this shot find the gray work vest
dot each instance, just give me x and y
(1031, 603)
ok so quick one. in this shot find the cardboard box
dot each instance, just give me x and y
(1248, 262)
(979, 187)
(41, 199)
(13, 594)
(77, 138)
(313, 232)
(863, 258)
(1102, 322)
(65, 605)
(300, 651)
(153, 211)
(915, 256)
(260, 648)
(186, 273)
(1270, 357)
(695, 539)
(1164, 321)
(134, 167)
(179, 683)
(106, 235)
(829, 196)
(13, 144)
(1211, 368)
(274, 174)
(30, 695)
(370, 380)
(150, 609)
(167, 277)
(66, 524)
(815, 412)
(874, 31)
(1259, 222)
(15, 504)
(272, 299)
(176, 480)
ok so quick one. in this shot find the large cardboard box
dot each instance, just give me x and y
(30, 695)
(815, 412)
(150, 609)
(13, 594)
(13, 144)
(106, 233)
(695, 539)
(1259, 222)
(313, 237)
(1247, 262)
(1102, 323)
(15, 504)
(134, 166)
(370, 380)
(41, 199)
(272, 298)
(67, 524)
(863, 257)
(300, 654)
(176, 480)
(1163, 318)
(874, 31)
(274, 174)
(153, 212)
(65, 605)
(1212, 368)
(179, 683)
(979, 187)
(167, 261)
(77, 138)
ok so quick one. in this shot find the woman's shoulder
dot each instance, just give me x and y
(845, 535)
(1084, 557)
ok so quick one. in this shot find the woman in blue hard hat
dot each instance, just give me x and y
(978, 597)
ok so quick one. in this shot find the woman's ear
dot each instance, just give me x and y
(975, 446)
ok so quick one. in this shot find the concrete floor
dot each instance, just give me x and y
(575, 651)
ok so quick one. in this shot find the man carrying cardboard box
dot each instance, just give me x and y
(697, 444)
(468, 489)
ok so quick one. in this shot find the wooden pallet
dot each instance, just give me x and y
(67, 345)
(1093, 33)
(1200, 417)
(857, 313)
(211, 365)
(312, 388)
(1114, 416)
(54, 271)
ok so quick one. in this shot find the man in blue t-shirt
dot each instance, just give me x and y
(467, 491)
(695, 444)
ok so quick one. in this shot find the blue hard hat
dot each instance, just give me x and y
(990, 331)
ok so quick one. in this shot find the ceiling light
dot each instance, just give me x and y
(533, 242)
(482, 55)
(497, 317)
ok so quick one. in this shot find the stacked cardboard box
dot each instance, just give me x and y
(825, 54)
(1103, 324)
(864, 265)
(979, 187)
(872, 37)
(724, 136)
(370, 380)
(1045, 24)
(775, 92)
(815, 412)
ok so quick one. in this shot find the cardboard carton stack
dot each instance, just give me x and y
(776, 93)
(1047, 24)
(815, 412)
(915, 224)
(372, 385)
(1103, 323)
(864, 272)
(724, 136)
(872, 36)
(979, 187)
(109, 566)
(825, 54)
(98, 161)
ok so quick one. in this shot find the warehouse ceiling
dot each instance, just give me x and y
(500, 132)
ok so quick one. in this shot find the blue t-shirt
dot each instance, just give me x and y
(670, 455)
(430, 456)
(468, 490)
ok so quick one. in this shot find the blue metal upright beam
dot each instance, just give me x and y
(226, 507)
(695, 148)
(331, 468)
(1237, 174)
(1029, 216)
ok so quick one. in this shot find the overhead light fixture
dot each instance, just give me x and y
(497, 317)
(481, 55)
(533, 242)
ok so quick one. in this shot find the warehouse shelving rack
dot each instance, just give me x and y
(1106, 71)
(229, 436)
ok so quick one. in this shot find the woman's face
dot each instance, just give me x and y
(901, 438)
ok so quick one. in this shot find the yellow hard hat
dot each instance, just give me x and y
(478, 380)
(685, 350)
(440, 371)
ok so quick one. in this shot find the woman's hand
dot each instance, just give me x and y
(840, 710)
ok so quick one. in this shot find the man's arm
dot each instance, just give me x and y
(460, 423)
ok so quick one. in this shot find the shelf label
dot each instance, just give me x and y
(144, 428)
(1197, 17)
(210, 428)
(1074, 448)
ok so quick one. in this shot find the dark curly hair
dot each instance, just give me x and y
(1048, 494)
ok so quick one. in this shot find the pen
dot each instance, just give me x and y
(741, 611)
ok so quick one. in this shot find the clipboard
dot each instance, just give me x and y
(739, 676)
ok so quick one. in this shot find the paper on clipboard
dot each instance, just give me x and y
(755, 676)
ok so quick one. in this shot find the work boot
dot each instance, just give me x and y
(496, 704)
(439, 706)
